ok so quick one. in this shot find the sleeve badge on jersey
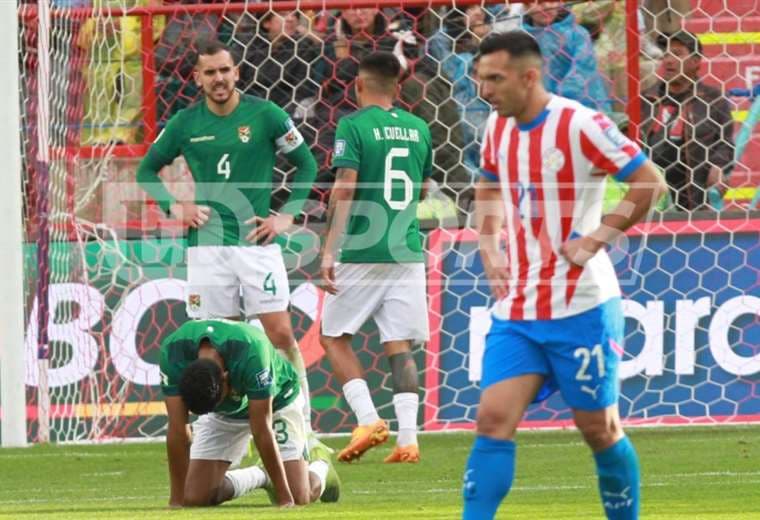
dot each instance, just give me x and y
(610, 130)
(291, 138)
(553, 160)
(340, 147)
(264, 378)
(244, 133)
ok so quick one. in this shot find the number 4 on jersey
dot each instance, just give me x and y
(223, 166)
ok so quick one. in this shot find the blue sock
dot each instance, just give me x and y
(618, 471)
(488, 477)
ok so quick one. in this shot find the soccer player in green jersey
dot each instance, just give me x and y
(228, 373)
(229, 142)
(382, 158)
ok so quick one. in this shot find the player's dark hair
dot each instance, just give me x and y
(207, 47)
(201, 386)
(517, 44)
(382, 65)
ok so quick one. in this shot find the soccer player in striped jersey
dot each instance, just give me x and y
(557, 322)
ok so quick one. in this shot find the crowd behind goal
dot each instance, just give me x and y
(305, 61)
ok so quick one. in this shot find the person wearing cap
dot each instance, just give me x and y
(686, 124)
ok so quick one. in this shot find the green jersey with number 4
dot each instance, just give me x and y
(231, 159)
(392, 152)
(255, 370)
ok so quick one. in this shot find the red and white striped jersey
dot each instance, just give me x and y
(553, 190)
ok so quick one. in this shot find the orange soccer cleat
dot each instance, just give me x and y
(364, 438)
(410, 453)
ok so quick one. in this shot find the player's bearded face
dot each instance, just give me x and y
(217, 75)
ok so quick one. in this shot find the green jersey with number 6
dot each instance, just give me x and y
(255, 370)
(392, 152)
(231, 159)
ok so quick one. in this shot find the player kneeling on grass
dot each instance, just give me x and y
(229, 374)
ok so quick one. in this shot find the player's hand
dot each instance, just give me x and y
(285, 498)
(497, 278)
(578, 251)
(328, 274)
(268, 228)
(190, 214)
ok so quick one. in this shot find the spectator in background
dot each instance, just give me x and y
(175, 57)
(280, 63)
(687, 125)
(424, 92)
(113, 101)
(570, 67)
(429, 96)
(605, 21)
(357, 32)
(455, 47)
(664, 17)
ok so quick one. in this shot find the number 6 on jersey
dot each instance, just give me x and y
(397, 175)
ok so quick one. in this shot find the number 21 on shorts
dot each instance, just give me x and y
(586, 354)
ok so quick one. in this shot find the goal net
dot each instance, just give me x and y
(105, 269)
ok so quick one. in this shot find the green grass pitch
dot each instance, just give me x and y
(688, 473)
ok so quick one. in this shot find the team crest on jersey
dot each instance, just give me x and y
(194, 302)
(553, 160)
(244, 133)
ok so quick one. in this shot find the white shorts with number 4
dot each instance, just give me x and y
(394, 295)
(216, 437)
(216, 276)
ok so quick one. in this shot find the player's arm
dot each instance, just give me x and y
(609, 150)
(260, 419)
(338, 210)
(162, 153)
(289, 141)
(646, 186)
(489, 220)
(177, 448)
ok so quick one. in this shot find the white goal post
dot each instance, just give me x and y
(12, 365)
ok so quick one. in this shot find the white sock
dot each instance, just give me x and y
(296, 359)
(406, 405)
(246, 480)
(359, 399)
(306, 401)
(320, 469)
